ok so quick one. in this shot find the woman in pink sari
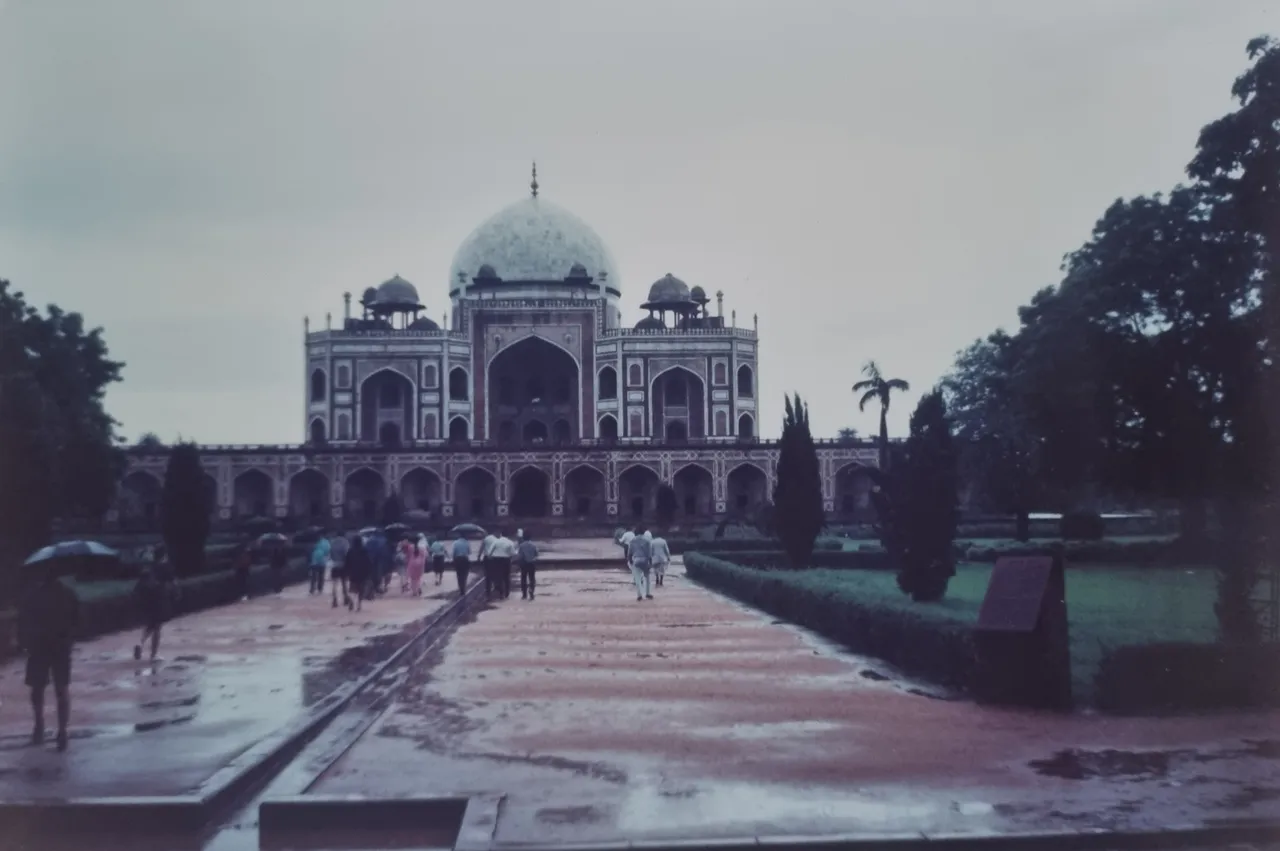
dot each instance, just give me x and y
(415, 564)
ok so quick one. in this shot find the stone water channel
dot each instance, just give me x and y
(601, 719)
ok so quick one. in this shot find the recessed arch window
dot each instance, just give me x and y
(746, 382)
(344, 375)
(458, 385)
(720, 374)
(344, 426)
(722, 423)
(608, 383)
(318, 387)
(430, 376)
(635, 375)
(608, 428)
(746, 427)
(430, 426)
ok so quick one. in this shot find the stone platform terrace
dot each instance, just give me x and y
(225, 679)
(606, 719)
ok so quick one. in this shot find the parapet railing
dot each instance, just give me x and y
(622, 444)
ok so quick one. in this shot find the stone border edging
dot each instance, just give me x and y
(192, 812)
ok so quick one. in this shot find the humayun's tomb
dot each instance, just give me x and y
(532, 401)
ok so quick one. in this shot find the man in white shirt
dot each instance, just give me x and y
(624, 541)
(638, 555)
(504, 550)
(486, 559)
(660, 553)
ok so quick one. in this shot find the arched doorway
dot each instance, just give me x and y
(386, 408)
(534, 431)
(530, 493)
(308, 495)
(679, 404)
(420, 489)
(694, 491)
(535, 381)
(853, 493)
(474, 494)
(746, 427)
(139, 499)
(458, 430)
(211, 495)
(561, 432)
(317, 431)
(366, 491)
(608, 427)
(458, 389)
(318, 385)
(746, 384)
(637, 492)
(251, 494)
(748, 488)
(584, 492)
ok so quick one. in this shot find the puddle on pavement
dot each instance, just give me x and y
(1084, 765)
(789, 808)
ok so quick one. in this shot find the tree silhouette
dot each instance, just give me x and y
(798, 514)
(875, 387)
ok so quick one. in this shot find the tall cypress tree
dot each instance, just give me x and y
(798, 516)
(916, 504)
(184, 509)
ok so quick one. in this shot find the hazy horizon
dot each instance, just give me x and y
(886, 181)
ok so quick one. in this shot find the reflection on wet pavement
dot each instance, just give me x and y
(225, 678)
(602, 718)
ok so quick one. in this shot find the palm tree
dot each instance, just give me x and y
(876, 387)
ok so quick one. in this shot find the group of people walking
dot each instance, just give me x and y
(648, 558)
(361, 567)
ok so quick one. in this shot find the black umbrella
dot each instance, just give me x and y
(467, 530)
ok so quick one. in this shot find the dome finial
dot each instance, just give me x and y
(533, 184)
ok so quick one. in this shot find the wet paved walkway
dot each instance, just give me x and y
(602, 718)
(225, 678)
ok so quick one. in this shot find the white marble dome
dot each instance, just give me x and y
(533, 240)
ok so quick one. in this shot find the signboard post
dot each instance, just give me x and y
(1021, 636)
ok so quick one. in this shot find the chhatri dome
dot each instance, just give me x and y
(533, 240)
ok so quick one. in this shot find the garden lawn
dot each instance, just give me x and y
(1107, 605)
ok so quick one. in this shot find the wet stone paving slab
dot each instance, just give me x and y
(224, 679)
(604, 719)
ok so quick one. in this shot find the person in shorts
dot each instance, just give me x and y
(47, 623)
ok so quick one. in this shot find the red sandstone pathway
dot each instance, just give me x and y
(602, 718)
(225, 678)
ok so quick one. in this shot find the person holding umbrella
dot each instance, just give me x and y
(462, 561)
(47, 623)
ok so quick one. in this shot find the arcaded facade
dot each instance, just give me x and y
(528, 399)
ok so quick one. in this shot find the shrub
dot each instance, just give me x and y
(776, 559)
(1081, 526)
(1182, 676)
(938, 649)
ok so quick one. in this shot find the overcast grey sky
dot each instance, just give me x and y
(886, 180)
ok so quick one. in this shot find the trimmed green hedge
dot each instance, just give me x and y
(941, 651)
(1167, 677)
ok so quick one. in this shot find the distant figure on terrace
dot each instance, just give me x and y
(640, 558)
(47, 623)
(661, 555)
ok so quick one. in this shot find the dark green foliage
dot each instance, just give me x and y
(57, 445)
(765, 519)
(392, 508)
(916, 504)
(1081, 526)
(149, 442)
(666, 504)
(797, 493)
(939, 649)
(1180, 677)
(184, 510)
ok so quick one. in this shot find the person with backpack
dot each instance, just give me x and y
(360, 572)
